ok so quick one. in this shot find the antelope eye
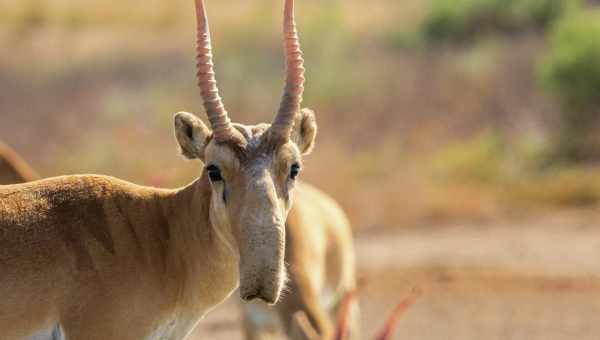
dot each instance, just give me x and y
(295, 171)
(214, 173)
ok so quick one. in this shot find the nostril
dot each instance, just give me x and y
(251, 297)
(269, 301)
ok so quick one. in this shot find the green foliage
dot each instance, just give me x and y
(571, 71)
(467, 19)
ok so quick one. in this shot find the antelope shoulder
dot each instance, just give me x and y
(73, 247)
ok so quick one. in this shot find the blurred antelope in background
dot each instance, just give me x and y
(13, 169)
(93, 257)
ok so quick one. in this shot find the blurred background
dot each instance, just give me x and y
(462, 137)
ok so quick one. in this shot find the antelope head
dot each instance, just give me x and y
(252, 169)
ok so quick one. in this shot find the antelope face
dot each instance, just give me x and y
(252, 169)
(252, 183)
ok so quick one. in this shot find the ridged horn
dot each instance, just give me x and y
(294, 85)
(213, 104)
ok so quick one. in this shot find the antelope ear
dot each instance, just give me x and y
(305, 131)
(192, 135)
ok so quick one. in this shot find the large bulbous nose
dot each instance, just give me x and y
(262, 243)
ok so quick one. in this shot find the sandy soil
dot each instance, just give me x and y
(534, 279)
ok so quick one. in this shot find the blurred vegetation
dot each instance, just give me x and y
(32, 15)
(407, 136)
(515, 172)
(467, 20)
(571, 72)
(460, 20)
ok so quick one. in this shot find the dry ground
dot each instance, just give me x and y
(535, 279)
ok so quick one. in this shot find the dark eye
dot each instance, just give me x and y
(295, 171)
(214, 173)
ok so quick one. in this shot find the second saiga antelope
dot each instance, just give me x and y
(93, 257)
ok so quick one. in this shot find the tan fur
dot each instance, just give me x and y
(319, 251)
(13, 169)
(105, 259)
(95, 257)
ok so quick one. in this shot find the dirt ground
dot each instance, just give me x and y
(532, 279)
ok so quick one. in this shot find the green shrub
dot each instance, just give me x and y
(571, 68)
(571, 71)
(467, 19)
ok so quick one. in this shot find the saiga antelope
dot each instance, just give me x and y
(319, 253)
(13, 169)
(93, 257)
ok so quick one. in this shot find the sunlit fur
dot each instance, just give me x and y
(100, 258)
(320, 257)
(13, 168)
